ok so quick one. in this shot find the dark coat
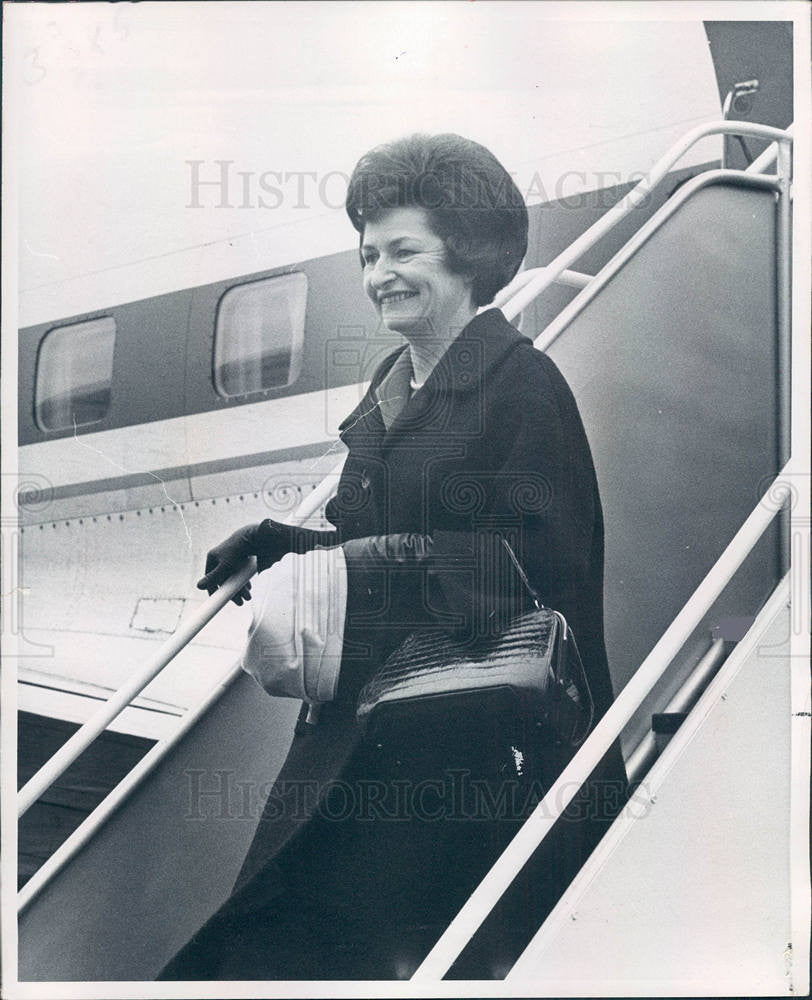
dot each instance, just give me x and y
(491, 446)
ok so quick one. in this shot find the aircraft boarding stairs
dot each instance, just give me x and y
(701, 882)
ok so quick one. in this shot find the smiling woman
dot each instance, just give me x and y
(468, 492)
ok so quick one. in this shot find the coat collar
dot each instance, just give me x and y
(465, 366)
(394, 390)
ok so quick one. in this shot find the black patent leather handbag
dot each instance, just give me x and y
(533, 666)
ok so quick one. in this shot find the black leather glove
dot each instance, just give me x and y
(269, 541)
(379, 551)
(468, 582)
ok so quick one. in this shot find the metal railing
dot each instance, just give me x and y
(575, 279)
(525, 287)
(642, 236)
(642, 799)
(644, 754)
(84, 736)
(463, 927)
(634, 199)
(768, 157)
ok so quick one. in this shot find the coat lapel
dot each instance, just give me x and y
(462, 372)
(395, 389)
(381, 420)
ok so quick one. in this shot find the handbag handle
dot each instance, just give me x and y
(566, 635)
(532, 590)
(523, 576)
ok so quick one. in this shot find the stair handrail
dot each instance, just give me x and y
(577, 279)
(636, 197)
(564, 317)
(564, 789)
(769, 156)
(187, 630)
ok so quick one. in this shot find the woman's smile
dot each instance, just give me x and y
(387, 298)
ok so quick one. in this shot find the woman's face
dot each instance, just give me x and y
(408, 280)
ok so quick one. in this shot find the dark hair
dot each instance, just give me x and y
(472, 202)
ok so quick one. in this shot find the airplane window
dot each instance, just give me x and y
(74, 374)
(259, 334)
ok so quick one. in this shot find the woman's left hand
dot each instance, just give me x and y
(269, 541)
(226, 558)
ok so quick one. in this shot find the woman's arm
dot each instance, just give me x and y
(269, 541)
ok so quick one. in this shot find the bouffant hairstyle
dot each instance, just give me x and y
(472, 202)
